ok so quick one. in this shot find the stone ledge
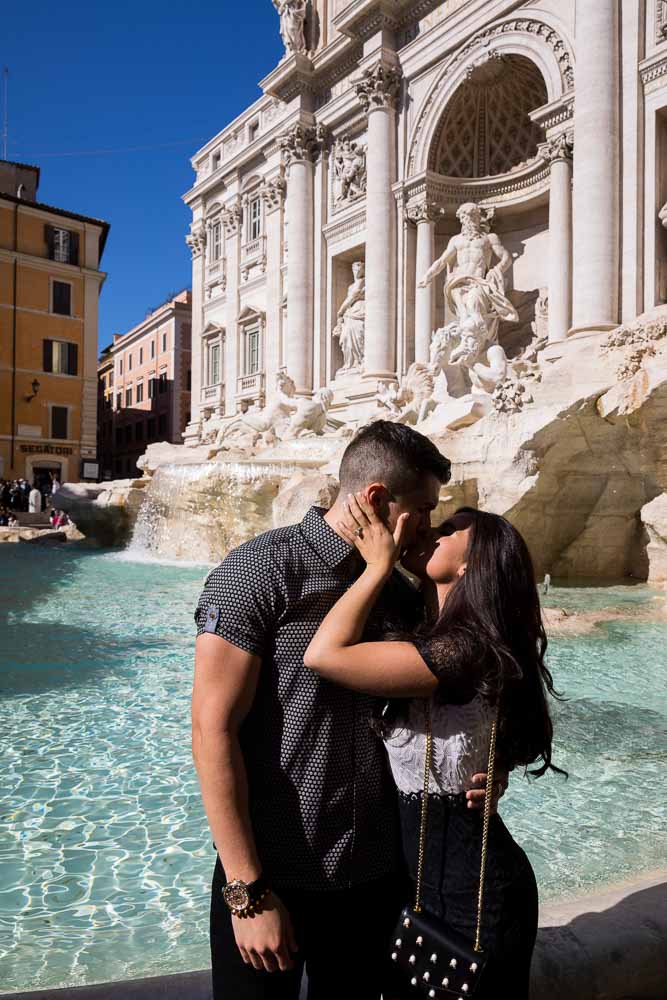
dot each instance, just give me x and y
(605, 946)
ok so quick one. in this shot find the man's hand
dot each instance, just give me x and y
(477, 793)
(266, 940)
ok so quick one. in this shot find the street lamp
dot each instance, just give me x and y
(35, 390)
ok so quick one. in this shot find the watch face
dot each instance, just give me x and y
(236, 895)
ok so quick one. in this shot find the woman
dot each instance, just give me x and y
(480, 653)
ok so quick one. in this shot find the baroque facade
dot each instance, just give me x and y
(390, 130)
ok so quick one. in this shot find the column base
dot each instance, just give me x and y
(591, 329)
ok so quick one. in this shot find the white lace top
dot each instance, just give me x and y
(460, 746)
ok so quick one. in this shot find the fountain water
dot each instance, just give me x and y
(202, 511)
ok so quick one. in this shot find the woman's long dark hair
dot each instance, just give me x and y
(495, 609)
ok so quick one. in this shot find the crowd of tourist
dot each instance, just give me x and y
(18, 496)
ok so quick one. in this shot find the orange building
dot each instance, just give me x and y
(50, 283)
(144, 386)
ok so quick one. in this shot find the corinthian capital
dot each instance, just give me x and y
(231, 218)
(424, 211)
(378, 87)
(302, 142)
(558, 148)
(273, 192)
(196, 239)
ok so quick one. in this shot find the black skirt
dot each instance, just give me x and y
(450, 887)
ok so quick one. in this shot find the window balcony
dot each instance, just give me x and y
(213, 395)
(250, 386)
(254, 251)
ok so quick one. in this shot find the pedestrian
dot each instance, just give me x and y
(34, 500)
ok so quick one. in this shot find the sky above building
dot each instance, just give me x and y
(111, 101)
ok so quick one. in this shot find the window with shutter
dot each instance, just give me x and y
(62, 298)
(72, 359)
(74, 248)
(59, 422)
(47, 356)
(128, 396)
(140, 392)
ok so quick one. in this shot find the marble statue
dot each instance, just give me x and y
(310, 416)
(260, 423)
(350, 326)
(411, 400)
(292, 22)
(475, 294)
(349, 160)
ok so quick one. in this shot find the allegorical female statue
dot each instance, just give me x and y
(292, 21)
(349, 329)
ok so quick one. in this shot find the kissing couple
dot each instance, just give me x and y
(352, 731)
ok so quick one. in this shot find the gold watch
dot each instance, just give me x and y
(245, 898)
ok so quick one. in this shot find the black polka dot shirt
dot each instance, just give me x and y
(322, 802)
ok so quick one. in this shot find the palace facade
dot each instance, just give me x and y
(317, 211)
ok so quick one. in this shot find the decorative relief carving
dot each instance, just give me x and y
(654, 72)
(231, 219)
(558, 148)
(302, 142)
(349, 162)
(378, 87)
(661, 20)
(196, 239)
(292, 24)
(273, 192)
(424, 211)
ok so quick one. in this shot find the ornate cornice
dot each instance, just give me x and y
(346, 226)
(560, 147)
(654, 70)
(378, 87)
(302, 143)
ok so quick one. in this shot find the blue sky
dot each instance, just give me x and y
(86, 76)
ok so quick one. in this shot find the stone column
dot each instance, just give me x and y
(378, 91)
(559, 152)
(300, 147)
(424, 214)
(231, 366)
(273, 197)
(196, 240)
(596, 190)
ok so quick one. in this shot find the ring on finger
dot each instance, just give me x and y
(359, 532)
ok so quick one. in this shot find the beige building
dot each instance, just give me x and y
(50, 281)
(381, 120)
(144, 386)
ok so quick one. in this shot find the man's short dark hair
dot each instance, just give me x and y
(392, 454)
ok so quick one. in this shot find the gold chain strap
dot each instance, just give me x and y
(485, 827)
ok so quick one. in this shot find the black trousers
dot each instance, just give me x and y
(343, 938)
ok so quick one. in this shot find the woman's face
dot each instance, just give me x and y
(440, 554)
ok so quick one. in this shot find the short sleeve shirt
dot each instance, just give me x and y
(322, 801)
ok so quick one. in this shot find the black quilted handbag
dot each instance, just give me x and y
(435, 959)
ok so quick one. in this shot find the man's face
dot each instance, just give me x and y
(419, 503)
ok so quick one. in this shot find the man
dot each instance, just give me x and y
(293, 780)
(34, 500)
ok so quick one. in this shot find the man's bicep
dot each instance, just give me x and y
(224, 683)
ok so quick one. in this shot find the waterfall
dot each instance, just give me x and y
(199, 512)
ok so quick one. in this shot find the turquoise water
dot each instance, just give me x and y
(105, 857)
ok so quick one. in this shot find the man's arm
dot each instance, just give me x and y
(447, 257)
(224, 688)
